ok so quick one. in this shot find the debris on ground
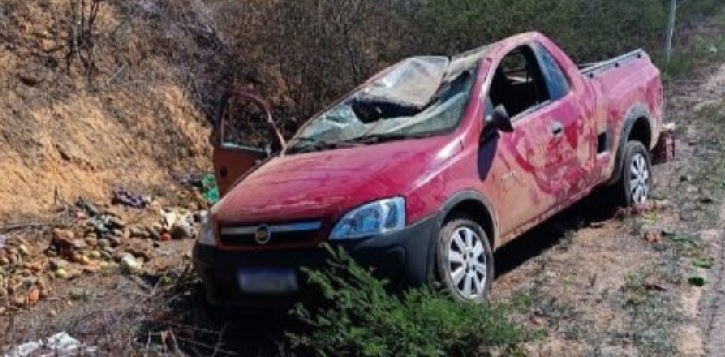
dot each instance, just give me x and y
(205, 184)
(653, 237)
(123, 196)
(130, 264)
(91, 238)
(59, 345)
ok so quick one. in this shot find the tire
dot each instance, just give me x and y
(635, 182)
(464, 260)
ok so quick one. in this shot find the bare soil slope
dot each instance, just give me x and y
(86, 108)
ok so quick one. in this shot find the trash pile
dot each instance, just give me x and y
(128, 237)
(60, 344)
(205, 184)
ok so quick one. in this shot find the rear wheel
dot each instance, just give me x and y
(465, 260)
(635, 183)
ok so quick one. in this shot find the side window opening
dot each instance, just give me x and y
(556, 81)
(519, 83)
(243, 124)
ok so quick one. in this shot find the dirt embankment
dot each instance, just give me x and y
(87, 107)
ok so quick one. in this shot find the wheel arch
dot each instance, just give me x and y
(637, 126)
(478, 207)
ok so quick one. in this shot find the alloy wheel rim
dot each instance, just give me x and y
(467, 263)
(639, 179)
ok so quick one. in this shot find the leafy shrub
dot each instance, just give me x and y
(359, 317)
(588, 29)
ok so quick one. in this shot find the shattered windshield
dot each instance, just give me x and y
(418, 97)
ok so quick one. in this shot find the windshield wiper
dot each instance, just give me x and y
(379, 138)
(312, 144)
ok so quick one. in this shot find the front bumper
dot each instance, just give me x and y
(405, 258)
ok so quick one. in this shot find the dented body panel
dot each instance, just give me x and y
(558, 152)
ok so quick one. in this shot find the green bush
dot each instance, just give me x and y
(588, 29)
(359, 317)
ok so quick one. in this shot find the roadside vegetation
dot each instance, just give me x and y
(357, 316)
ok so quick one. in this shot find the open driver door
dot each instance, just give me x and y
(244, 136)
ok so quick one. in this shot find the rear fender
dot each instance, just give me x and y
(636, 112)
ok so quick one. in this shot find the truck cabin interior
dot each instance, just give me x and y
(527, 78)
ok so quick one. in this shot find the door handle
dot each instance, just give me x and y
(557, 128)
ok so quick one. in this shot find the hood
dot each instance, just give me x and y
(326, 184)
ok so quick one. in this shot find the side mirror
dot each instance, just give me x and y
(500, 119)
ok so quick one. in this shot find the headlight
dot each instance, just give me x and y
(371, 219)
(206, 236)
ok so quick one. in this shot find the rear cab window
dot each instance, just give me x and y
(556, 81)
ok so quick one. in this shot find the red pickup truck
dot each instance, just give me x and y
(426, 169)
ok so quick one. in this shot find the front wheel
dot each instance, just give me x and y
(465, 260)
(635, 184)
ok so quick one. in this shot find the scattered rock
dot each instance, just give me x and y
(19, 301)
(137, 232)
(23, 250)
(116, 223)
(131, 265)
(653, 237)
(91, 269)
(643, 208)
(141, 252)
(83, 260)
(103, 243)
(692, 189)
(29, 280)
(79, 294)
(166, 236)
(74, 273)
(63, 235)
(661, 204)
(182, 229)
(91, 241)
(79, 244)
(56, 263)
(61, 273)
(155, 231)
(4, 260)
(89, 207)
(115, 241)
(33, 296)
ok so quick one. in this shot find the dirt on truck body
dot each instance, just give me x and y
(431, 165)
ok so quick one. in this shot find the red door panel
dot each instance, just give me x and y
(234, 153)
